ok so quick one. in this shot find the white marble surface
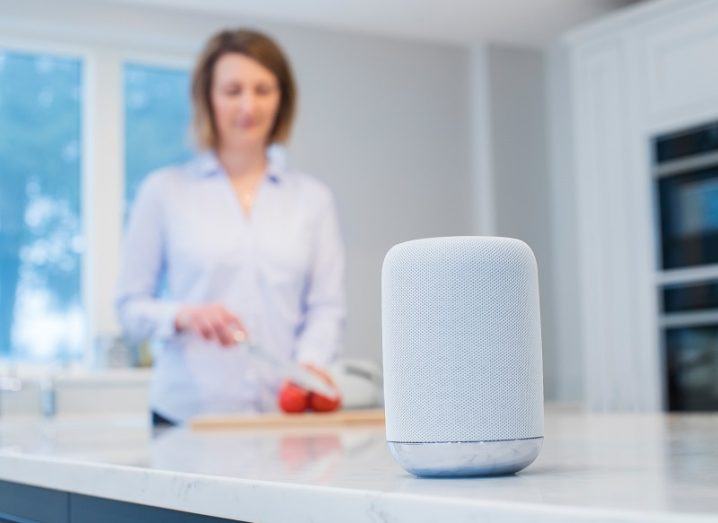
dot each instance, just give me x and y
(592, 468)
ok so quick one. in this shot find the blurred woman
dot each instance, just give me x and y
(246, 248)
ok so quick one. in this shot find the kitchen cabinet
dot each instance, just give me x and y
(27, 503)
(643, 71)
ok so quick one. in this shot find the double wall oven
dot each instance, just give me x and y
(686, 181)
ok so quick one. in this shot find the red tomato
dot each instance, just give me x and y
(293, 398)
(321, 403)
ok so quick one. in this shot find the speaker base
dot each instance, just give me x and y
(461, 459)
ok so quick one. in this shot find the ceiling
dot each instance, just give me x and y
(518, 22)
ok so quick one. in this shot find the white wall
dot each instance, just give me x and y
(522, 185)
(385, 122)
(566, 305)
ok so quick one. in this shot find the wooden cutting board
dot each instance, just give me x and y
(281, 420)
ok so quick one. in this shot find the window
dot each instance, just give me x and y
(41, 239)
(42, 244)
(157, 121)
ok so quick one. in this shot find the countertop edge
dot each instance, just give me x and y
(255, 500)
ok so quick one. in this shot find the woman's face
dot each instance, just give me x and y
(245, 100)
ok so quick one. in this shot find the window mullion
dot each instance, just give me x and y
(103, 187)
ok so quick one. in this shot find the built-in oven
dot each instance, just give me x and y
(686, 180)
(690, 345)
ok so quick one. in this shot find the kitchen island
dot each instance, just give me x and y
(593, 467)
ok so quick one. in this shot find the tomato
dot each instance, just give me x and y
(321, 403)
(292, 398)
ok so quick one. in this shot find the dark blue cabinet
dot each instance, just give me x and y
(27, 504)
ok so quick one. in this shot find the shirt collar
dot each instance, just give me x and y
(207, 164)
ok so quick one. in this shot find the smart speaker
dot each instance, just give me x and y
(461, 333)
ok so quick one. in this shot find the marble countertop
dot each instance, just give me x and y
(593, 467)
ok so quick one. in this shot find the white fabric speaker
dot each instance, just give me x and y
(463, 385)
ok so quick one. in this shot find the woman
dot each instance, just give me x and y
(246, 248)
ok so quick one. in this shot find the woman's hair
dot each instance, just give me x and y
(259, 47)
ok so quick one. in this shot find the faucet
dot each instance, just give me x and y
(48, 396)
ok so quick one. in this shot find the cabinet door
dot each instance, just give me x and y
(605, 238)
(27, 503)
(614, 230)
(88, 509)
(680, 50)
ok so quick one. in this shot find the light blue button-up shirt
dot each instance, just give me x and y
(280, 270)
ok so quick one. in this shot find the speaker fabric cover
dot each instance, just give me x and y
(461, 341)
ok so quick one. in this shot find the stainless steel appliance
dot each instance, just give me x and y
(686, 177)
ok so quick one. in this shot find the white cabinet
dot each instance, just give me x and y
(649, 69)
(679, 51)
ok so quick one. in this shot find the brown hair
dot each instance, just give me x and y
(259, 47)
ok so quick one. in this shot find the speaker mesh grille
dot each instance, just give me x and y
(462, 340)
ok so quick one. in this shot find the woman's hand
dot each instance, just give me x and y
(213, 322)
(320, 403)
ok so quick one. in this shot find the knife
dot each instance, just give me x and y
(287, 368)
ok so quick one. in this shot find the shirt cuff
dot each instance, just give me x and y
(166, 325)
